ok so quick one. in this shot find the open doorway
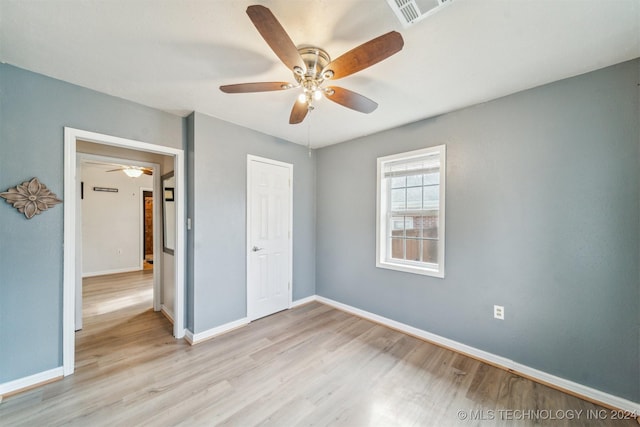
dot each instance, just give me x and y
(147, 229)
(72, 236)
(110, 222)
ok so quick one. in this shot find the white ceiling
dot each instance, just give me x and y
(172, 55)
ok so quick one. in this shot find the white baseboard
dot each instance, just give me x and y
(218, 330)
(570, 387)
(303, 301)
(202, 336)
(167, 313)
(114, 271)
(30, 381)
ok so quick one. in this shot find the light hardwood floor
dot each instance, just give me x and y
(312, 365)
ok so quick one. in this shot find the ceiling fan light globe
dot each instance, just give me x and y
(133, 173)
(302, 97)
(317, 95)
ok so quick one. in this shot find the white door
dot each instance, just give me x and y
(269, 202)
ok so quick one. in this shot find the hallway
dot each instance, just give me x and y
(118, 312)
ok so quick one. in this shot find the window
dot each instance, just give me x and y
(410, 218)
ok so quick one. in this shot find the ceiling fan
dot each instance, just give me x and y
(133, 171)
(312, 66)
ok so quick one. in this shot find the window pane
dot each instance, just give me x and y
(398, 199)
(410, 227)
(432, 178)
(418, 224)
(414, 198)
(430, 197)
(430, 251)
(413, 249)
(414, 181)
(408, 223)
(398, 182)
(397, 248)
(397, 226)
(427, 225)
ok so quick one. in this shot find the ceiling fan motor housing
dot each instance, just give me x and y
(315, 60)
(311, 78)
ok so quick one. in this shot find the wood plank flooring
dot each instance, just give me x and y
(309, 366)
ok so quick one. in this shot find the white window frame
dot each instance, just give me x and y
(383, 260)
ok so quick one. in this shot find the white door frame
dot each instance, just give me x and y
(71, 136)
(289, 166)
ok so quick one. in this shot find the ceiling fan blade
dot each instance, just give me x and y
(365, 55)
(350, 99)
(147, 171)
(275, 36)
(99, 163)
(298, 113)
(116, 170)
(255, 87)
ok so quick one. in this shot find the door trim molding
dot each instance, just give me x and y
(289, 166)
(71, 136)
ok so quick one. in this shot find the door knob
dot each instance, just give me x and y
(256, 249)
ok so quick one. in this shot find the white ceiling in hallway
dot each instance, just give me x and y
(173, 55)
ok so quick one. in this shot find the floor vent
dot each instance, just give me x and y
(411, 11)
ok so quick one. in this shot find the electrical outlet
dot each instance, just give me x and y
(498, 312)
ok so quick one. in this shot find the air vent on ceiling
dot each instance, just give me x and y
(411, 11)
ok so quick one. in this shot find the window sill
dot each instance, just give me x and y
(425, 271)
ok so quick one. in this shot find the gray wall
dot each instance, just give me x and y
(542, 217)
(218, 180)
(33, 112)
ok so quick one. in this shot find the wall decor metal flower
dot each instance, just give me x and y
(30, 198)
